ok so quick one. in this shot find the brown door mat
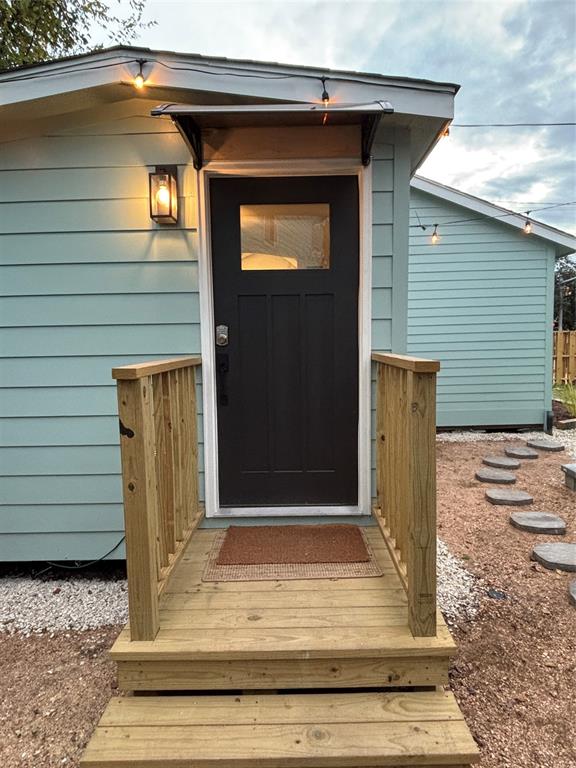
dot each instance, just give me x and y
(259, 545)
(288, 571)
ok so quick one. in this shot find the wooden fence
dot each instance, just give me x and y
(406, 478)
(564, 366)
(159, 447)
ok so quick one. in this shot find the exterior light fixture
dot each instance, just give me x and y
(527, 225)
(164, 194)
(139, 79)
(435, 235)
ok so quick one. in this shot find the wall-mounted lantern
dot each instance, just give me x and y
(164, 194)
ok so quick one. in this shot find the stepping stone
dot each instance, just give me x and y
(501, 462)
(572, 593)
(508, 497)
(495, 476)
(520, 452)
(538, 522)
(570, 476)
(545, 445)
(556, 557)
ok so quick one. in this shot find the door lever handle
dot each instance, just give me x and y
(222, 367)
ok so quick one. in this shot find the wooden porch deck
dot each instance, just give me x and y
(284, 662)
(314, 633)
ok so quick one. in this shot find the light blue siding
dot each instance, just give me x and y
(390, 194)
(480, 301)
(87, 282)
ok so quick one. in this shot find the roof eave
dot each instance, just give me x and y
(563, 242)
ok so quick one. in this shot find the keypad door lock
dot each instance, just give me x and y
(221, 335)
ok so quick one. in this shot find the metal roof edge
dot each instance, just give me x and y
(305, 70)
(558, 237)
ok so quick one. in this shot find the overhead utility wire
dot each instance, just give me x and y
(505, 125)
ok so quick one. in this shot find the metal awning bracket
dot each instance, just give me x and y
(192, 135)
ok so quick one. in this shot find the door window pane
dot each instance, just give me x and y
(287, 236)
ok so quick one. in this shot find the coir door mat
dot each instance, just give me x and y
(316, 566)
(261, 544)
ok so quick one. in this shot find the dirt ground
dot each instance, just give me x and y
(514, 675)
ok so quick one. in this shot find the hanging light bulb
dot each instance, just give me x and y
(527, 225)
(435, 235)
(139, 79)
(325, 95)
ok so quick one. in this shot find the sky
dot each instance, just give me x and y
(515, 61)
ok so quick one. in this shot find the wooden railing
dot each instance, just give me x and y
(564, 365)
(406, 478)
(159, 447)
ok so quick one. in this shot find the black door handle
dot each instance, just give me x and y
(222, 367)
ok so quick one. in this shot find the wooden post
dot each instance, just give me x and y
(421, 520)
(135, 408)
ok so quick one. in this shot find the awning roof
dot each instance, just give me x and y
(191, 119)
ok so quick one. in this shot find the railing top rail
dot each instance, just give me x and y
(139, 370)
(415, 364)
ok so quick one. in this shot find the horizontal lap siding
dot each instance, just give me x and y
(87, 282)
(390, 189)
(480, 302)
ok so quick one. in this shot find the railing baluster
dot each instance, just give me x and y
(177, 447)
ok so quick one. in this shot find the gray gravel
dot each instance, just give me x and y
(458, 590)
(32, 606)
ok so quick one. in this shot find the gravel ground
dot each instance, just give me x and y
(458, 590)
(565, 437)
(32, 605)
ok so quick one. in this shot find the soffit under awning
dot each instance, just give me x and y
(192, 120)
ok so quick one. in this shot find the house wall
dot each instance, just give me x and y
(481, 302)
(88, 282)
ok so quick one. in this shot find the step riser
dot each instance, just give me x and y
(282, 674)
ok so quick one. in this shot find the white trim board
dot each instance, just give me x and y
(285, 168)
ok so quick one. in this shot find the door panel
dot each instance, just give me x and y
(286, 286)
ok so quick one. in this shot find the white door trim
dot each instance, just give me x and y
(285, 168)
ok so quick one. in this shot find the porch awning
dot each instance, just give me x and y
(191, 119)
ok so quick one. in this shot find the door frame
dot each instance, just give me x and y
(334, 167)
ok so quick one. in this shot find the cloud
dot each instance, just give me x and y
(514, 59)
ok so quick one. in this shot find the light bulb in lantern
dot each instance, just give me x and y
(163, 195)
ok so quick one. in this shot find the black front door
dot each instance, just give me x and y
(285, 273)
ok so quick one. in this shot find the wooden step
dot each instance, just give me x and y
(342, 730)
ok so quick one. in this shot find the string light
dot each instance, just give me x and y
(139, 79)
(527, 225)
(435, 235)
(325, 95)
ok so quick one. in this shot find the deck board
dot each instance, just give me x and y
(297, 731)
(300, 619)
